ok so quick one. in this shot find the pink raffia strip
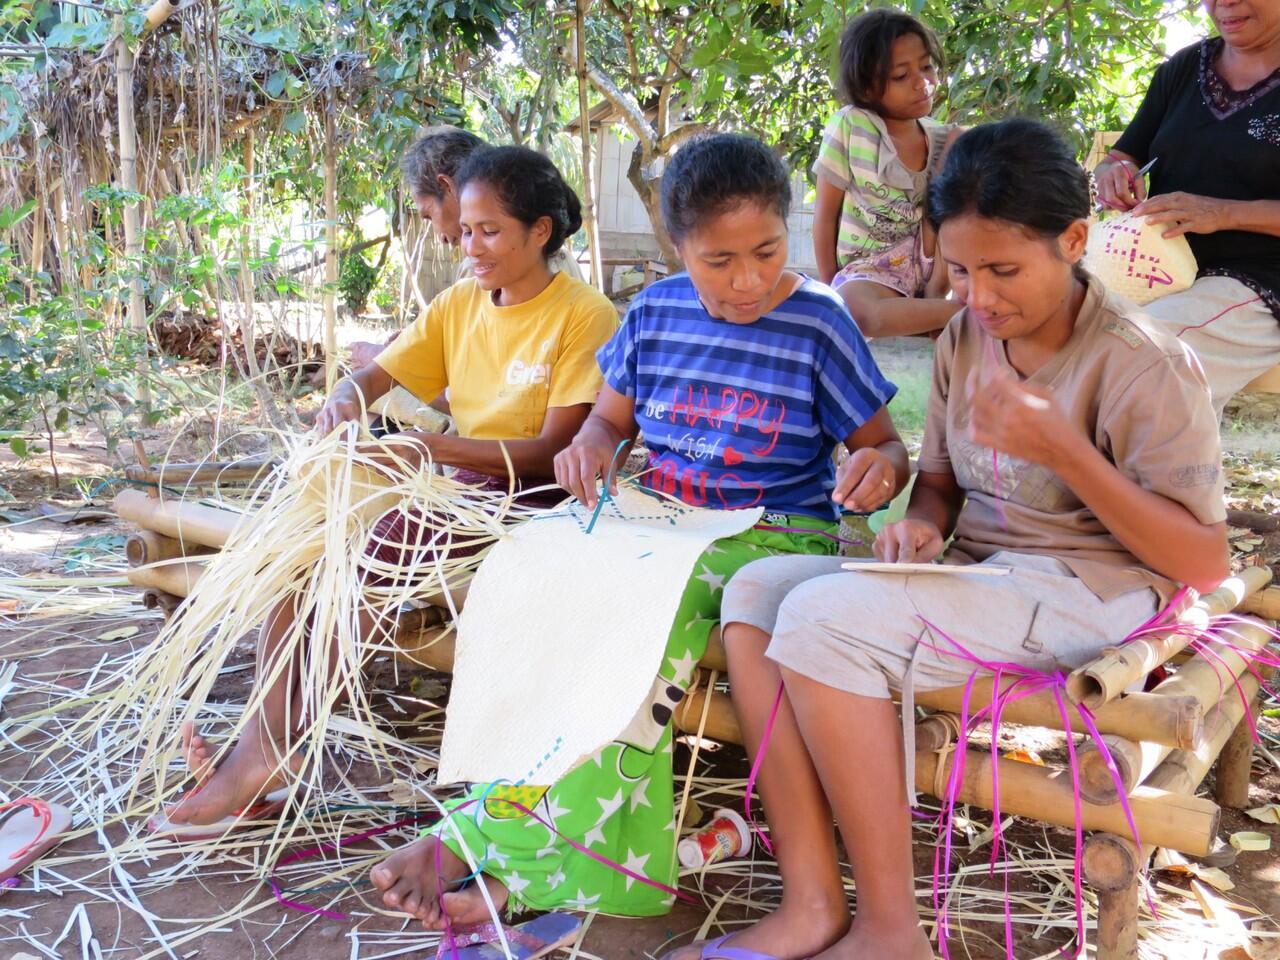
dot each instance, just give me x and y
(1027, 682)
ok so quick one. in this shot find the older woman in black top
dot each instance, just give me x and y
(1211, 122)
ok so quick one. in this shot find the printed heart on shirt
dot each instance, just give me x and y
(731, 457)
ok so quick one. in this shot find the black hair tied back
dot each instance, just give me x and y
(714, 173)
(529, 187)
(1017, 170)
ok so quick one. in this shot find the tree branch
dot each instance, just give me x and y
(632, 113)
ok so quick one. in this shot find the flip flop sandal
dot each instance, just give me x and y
(720, 949)
(29, 832)
(528, 941)
(246, 818)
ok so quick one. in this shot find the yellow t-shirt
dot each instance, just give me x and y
(504, 366)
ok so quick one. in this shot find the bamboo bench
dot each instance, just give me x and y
(1163, 742)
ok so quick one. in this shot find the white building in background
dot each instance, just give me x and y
(623, 222)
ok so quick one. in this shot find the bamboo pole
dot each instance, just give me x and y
(1235, 763)
(588, 188)
(1184, 823)
(1209, 678)
(128, 136)
(210, 471)
(1183, 770)
(1107, 677)
(331, 248)
(187, 522)
(1264, 604)
(1118, 923)
(178, 579)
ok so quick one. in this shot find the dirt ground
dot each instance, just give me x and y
(96, 917)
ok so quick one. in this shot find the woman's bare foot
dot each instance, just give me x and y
(468, 905)
(884, 942)
(409, 883)
(793, 930)
(249, 772)
(196, 752)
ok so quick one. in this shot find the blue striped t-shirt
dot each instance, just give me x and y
(743, 415)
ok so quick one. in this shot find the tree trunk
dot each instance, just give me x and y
(650, 196)
(584, 132)
(132, 233)
(331, 248)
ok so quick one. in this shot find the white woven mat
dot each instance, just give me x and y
(563, 633)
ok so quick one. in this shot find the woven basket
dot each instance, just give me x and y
(1134, 260)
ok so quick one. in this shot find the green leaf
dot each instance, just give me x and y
(295, 122)
(19, 447)
(275, 83)
(11, 218)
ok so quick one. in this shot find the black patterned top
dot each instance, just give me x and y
(1212, 140)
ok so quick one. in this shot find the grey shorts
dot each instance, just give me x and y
(864, 632)
(1228, 327)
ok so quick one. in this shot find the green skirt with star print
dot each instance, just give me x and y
(619, 804)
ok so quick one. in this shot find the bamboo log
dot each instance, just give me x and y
(1111, 862)
(936, 731)
(216, 471)
(128, 137)
(1175, 721)
(1235, 763)
(1134, 761)
(178, 579)
(1182, 770)
(188, 522)
(158, 13)
(1208, 678)
(147, 546)
(1184, 823)
(722, 721)
(1118, 922)
(1264, 604)
(1107, 677)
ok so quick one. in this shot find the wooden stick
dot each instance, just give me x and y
(1134, 761)
(1264, 603)
(178, 579)
(188, 522)
(147, 546)
(1111, 674)
(1184, 823)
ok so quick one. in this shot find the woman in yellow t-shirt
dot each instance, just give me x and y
(515, 345)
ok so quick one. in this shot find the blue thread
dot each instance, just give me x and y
(610, 479)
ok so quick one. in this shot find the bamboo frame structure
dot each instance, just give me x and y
(1111, 674)
(1264, 604)
(1164, 741)
(1207, 679)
